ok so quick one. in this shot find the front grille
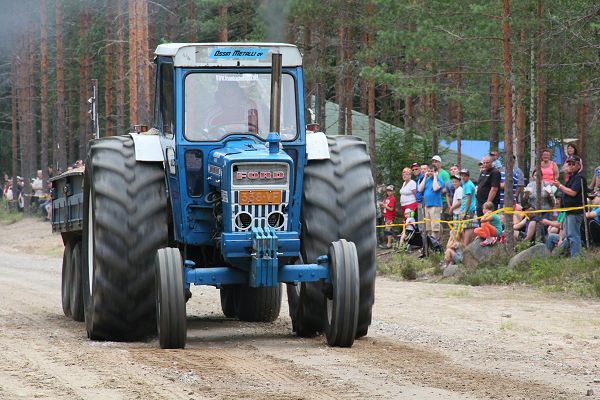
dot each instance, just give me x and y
(259, 215)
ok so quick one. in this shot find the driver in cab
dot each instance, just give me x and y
(232, 112)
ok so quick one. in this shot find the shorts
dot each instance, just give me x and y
(435, 214)
(470, 224)
(387, 231)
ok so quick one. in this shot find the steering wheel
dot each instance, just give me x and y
(231, 127)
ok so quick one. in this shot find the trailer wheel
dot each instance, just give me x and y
(259, 304)
(342, 296)
(229, 301)
(338, 202)
(170, 299)
(124, 224)
(66, 278)
(76, 301)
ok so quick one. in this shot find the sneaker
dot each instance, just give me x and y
(493, 240)
(486, 242)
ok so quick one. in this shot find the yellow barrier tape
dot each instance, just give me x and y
(506, 210)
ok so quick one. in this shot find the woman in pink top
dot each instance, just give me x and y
(549, 168)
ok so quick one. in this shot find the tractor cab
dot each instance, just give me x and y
(229, 170)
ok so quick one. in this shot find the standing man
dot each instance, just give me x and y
(420, 176)
(488, 186)
(572, 197)
(431, 187)
(416, 171)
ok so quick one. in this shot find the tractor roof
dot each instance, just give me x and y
(229, 54)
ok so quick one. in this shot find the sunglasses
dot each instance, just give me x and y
(571, 163)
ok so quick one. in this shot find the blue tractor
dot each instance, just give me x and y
(226, 189)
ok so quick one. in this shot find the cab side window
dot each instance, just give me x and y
(166, 99)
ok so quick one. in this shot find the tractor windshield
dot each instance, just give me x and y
(220, 104)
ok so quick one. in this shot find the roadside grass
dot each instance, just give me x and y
(579, 276)
(7, 216)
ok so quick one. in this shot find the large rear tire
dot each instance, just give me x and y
(259, 304)
(170, 299)
(66, 279)
(124, 224)
(76, 302)
(338, 203)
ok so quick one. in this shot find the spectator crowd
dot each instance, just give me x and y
(14, 193)
(470, 206)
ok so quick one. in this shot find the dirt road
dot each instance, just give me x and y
(427, 341)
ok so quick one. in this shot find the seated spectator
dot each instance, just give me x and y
(491, 228)
(594, 221)
(409, 226)
(595, 184)
(454, 250)
(524, 225)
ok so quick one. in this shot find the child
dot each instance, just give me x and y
(409, 226)
(388, 207)
(453, 254)
(491, 228)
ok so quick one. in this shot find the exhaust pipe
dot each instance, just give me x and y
(274, 122)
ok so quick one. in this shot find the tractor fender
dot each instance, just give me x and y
(147, 146)
(316, 146)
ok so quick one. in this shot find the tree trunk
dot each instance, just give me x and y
(120, 68)
(508, 123)
(31, 115)
(494, 112)
(341, 75)
(349, 91)
(191, 17)
(582, 125)
(133, 75)
(108, 65)
(143, 72)
(432, 99)
(84, 80)
(371, 93)
(60, 146)
(223, 35)
(14, 126)
(44, 87)
(539, 106)
(532, 102)
(321, 97)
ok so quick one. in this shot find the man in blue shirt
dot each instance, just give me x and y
(431, 188)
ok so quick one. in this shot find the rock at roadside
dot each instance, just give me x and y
(450, 270)
(475, 254)
(535, 251)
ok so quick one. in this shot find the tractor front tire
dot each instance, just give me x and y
(338, 202)
(124, 224)
(170, 299)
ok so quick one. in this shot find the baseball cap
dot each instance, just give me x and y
(389, 187)
(415, 165)
(574, 159)
(437, 158)
(465, 171)
(455, 177)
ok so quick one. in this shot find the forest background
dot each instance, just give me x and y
(454, 69)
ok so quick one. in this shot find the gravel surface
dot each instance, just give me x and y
(427, 341)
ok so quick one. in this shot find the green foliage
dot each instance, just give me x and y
(578, 276)
(407, 266)
(7, 216)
